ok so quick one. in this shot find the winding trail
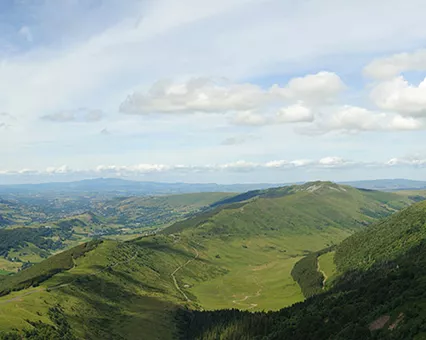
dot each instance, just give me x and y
(323, 273)
(179, 268)
(46, 289)
(251, 305)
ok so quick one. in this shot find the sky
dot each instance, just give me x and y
(219, 91)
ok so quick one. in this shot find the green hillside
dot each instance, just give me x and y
(386, 241)
(312, 206)
(35, 228)
(238, 255)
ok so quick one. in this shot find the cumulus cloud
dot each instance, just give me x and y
(316, 88)
(399, 95)
(195, 95)
(80, 115)
(221, 96)
(396, 64)
(354, 119)
(294, 114)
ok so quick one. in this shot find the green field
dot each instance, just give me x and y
(259, 270)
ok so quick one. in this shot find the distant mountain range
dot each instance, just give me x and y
(388, 184)
(126, 187)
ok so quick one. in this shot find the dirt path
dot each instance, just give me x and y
(179, 268)
(251, 305)
(43, 289)
(323, 274)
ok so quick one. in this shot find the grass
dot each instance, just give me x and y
(257, 267)
(327, 265)
(9, 266)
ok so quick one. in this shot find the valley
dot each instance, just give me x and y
(39, 227)
(239, 253)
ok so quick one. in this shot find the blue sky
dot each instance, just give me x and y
(212, 91)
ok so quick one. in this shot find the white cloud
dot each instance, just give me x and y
(400, 96)
(295, 113)
(219, 95)
(59, 170)
(394, 65)
(288, 164)
(238, 166)
(354, 119)
(316, 88)
(195, 95)
(331, 162)
(416, 162)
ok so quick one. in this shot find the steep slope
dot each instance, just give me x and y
(386, 241)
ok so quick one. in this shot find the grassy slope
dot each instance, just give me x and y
(121, 289)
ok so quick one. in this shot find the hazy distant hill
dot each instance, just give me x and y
(388, 184)
(125, 187)
(120, 187)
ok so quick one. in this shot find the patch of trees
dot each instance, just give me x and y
(40, 272)
(17, 238)
(305, 273)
